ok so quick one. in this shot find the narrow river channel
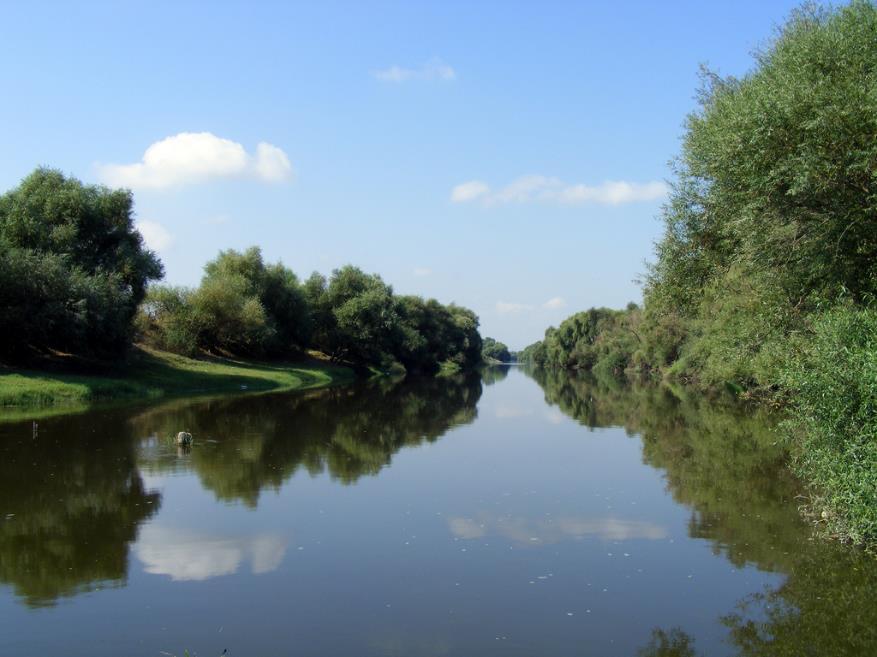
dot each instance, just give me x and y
(498, 514)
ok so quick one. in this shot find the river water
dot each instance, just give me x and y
(508, 513)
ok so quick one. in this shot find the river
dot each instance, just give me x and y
(508, 513)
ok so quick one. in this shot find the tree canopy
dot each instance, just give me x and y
(74, 266)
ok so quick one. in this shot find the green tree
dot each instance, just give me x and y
(493, 350)
(75, 268)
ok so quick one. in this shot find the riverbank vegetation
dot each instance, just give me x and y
(765, 278)
(493, 351)
(247, 307)
(78, 292)
(148, 373)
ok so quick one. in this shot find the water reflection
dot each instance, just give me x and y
(187, 555)
(542, 531)
(70, 504)
(494, 374)
(508, 537)
(725, 463)
(246, 445)
(73, 498)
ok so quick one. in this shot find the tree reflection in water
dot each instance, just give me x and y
(247, 445)
(74, 498)
(725, 463)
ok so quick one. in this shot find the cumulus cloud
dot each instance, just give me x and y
(434, 69)
(507, 307)
(554, 303)
(196, 157)
(543, 189)
(155, 236)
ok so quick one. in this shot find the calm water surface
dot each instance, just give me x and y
(509, 514)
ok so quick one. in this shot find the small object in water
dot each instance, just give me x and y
(243, 387)
(184, 438)
(36, 429)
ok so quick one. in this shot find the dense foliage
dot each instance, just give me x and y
(493, 350)
(766, 274)
(246, 307)
(74, 267)
(75, 272)
(242, 306)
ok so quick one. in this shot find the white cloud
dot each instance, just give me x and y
(196, 157)
(536, 188)
(506, 307)
(469, 191)
(271, 163)
(422, 271)
(154, 235)
(554, 303)
(434, 69)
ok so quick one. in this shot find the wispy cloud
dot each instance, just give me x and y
(196, 157)
(155, 236)
(554, 303)
(507, 307)
(536, 188)
(422, 271)
(434, 69)
(469, 191)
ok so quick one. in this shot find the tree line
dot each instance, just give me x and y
(77, 279)
(766, 275)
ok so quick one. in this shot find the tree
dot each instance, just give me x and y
(493, 350)
(75, 268)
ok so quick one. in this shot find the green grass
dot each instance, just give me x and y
(149, 373)
(832, 429)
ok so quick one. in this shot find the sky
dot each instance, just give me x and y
(510, 157)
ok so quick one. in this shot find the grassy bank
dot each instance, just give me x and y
(148, 373)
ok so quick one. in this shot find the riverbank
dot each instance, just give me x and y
(148, 373)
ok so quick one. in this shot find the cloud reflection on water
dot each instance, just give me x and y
(186, 555)
(553, 530)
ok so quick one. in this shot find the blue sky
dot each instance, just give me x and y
(461, 150)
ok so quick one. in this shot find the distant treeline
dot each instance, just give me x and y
(494, 350)
(766, 276)
(75, 278)
(244, 306)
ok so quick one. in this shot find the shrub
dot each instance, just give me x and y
(833, 384)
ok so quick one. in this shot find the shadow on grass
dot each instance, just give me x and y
(148, 374)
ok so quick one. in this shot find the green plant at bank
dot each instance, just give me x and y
(765, 278)
(78, 292)
(148, 373)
